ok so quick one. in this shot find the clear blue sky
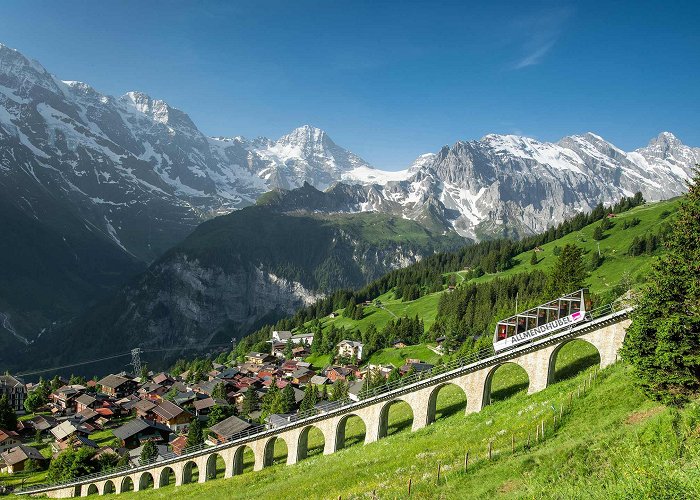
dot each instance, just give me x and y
(388, 80)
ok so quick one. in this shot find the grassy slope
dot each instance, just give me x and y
(615, 265)
(612, 444)
(613, 247)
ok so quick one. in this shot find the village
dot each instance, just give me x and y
(51, 429)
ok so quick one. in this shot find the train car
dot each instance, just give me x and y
(542, 320)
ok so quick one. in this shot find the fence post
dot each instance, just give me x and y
(466, 462)
(438, 476)
(490, 449)
(512, 443)
(409, 486)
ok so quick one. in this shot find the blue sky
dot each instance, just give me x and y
(386, 79)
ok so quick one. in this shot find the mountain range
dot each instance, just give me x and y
(95, 188)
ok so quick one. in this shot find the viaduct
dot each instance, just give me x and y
(538, 358)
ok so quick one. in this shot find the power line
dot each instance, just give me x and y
(74, 364)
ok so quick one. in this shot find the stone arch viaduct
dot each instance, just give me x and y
(538, 358)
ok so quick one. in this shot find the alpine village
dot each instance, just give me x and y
(190, 315)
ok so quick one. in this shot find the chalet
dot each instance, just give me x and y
(278, 349)
(15, 391)
(354, 389)
(143, 408)
(64, 432)
(85, 401)
(117, 385)
(164, 379)
(302, 375)
(64, 397)
(202, 407)
(172, 415)
(136, 432)
(350, 349)
(301, 352)
(226, 429)
(318, 380)
(152, 391)
(39, 423)
(288, 367)
(399, 344)
(335, 373)
(8, 439)
(258, 358)
(16, 459)
(213, 374)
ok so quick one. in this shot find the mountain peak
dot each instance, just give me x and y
(306, 134)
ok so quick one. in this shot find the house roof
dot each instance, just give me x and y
(85, 399)
(204, 403)
(10, 381)
(318, 380)
(167, 410)
(20, 453)
(300, 372)
(137, 425)
(64, 430)
(161, 378)
(5, 435)
(113, 381)
(143, 405)
(229, 427)
(351, 343)
(87, 414)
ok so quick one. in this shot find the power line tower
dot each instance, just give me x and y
(136, 361)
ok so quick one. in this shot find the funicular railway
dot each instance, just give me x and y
(603, 327)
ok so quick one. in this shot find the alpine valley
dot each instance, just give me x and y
(123, 224)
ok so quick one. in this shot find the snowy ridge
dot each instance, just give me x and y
(141, 171)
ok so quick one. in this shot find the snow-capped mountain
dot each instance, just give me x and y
(136, 168)
(512, 185)
(139, 170)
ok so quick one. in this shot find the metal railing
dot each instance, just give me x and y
(427, 377)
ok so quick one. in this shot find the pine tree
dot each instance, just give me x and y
(288, 399)
(195, 434)
(310, 398)
(149, 452)
(533, 259)
(598, 233)
(219, 391)
(8, 417)
(288, 349)
(663, 341)
(250, 401)
(569, 273)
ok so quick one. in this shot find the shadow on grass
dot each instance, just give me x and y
(508, 392)
(448, 411)
(399, 426)
(575, 367)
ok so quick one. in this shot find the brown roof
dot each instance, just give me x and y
(7, 434)
(112, 381)
(20, 454)
(204, 403)
(167, 410)
(144, 405)
(229, 427)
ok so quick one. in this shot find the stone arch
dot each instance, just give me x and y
(127, 484)
(93, 490)
(508, 389)
(190, 472)
(164, 477)
(384, 420)
(146, 481)
(433, 401)
(239, 459)
(588, 355)
(303, 444)
(108, 488)
(341, 431)
(216, 466)
(269, 451)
